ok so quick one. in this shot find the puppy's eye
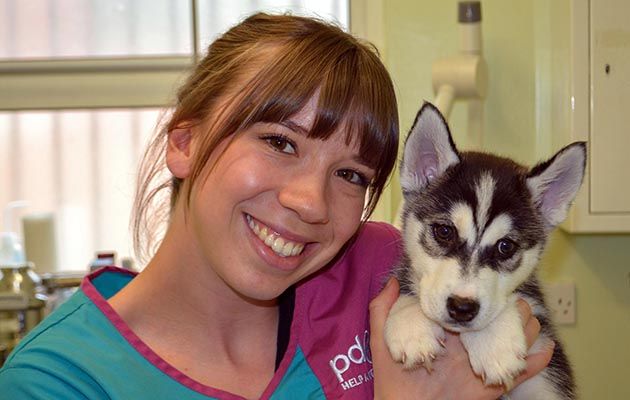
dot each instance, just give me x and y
(444, 233)
(506, 248)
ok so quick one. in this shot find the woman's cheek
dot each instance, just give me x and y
(347, 212)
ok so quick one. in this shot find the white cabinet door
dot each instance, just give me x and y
(600, 113)
(610, 106)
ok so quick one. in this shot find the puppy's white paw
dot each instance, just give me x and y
(497, 353)
(412, 338)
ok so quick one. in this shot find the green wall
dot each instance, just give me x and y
(518, 49)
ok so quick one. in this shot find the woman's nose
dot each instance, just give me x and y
(306, 195)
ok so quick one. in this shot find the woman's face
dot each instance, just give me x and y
(277, 206)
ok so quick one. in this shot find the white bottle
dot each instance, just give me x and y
(11, 249)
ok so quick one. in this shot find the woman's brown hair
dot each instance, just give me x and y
(267, 68)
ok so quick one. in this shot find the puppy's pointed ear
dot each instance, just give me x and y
(429, 150)
(555, 182)
(178, 152)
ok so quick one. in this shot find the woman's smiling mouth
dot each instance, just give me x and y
(281, 246)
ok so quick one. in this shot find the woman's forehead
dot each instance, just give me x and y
(306, 116)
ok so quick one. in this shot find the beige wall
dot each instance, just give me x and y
(519, 50)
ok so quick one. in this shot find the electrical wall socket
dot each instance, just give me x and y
(560, 298)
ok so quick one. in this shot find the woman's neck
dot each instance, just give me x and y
(195, 321)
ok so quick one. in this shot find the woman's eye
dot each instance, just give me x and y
(353, 176)
(280, 143)
(444, 233)
(506, 248)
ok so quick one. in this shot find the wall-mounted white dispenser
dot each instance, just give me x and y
(464, 76)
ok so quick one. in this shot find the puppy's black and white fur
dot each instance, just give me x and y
(474, 228)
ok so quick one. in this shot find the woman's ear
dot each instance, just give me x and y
(179, 152)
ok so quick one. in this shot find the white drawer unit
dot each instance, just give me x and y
(598, 112)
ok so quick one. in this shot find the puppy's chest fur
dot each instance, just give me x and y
(474, 226)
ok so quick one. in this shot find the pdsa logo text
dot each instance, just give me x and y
(358, 353)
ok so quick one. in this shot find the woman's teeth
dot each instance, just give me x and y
(280, 246)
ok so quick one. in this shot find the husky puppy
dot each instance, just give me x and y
(474, 227)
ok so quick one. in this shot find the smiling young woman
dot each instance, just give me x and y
(260, 286)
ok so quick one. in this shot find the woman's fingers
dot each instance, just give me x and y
(532, 330)
(536, 362)
(524, 309)
(379, 309)
(531, 325)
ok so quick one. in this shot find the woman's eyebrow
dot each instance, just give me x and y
(295, 127)
(363, 161)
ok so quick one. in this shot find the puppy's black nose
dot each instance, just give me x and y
(462, 309)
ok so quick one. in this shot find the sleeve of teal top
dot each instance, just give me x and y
(31, 383)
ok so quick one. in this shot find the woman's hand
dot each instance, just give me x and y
(452, 376)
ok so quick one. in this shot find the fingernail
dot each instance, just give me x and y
(548, 344)
(390, 282)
